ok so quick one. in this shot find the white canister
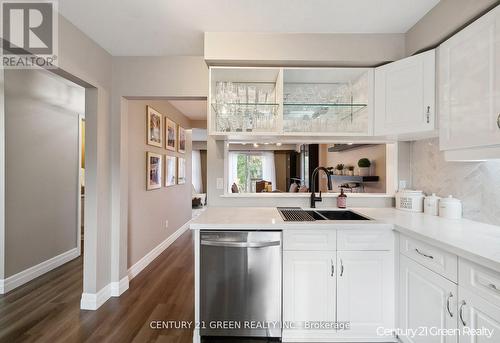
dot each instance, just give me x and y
(431, 204)
(450, 208)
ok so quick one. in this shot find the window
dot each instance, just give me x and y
(246, 168)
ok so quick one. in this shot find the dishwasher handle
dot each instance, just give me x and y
(227, 244)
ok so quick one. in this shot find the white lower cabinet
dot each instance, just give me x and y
(475, 315)
(365, 291)
(309, 292)
(427, 301)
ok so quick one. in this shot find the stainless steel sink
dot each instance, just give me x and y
(296, 214)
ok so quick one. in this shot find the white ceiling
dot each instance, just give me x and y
(175, 27)
(193, 109)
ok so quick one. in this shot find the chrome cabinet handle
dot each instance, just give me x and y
(425, 255)
(341, 268)
(448, 304)
(333, 268)
(494, 287)
(460, 312)
(498, 120)
(428, 114)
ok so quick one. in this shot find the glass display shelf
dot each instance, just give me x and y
(314, 110)
(245, 117)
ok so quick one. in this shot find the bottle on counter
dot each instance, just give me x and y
(342, 199)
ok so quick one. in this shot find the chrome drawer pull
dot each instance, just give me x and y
(425, 255)
(498, 121)
(428, 114)
(461, 313)
(341, 268)
(333, 268)
(494, 287)
(448, 304)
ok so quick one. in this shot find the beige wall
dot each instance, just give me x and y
(237, 48)
(148, 210)
(143, 77)
(442, 21)
(42, 167)
(81, 58)
(375, 153)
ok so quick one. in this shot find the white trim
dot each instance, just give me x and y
(92, 301)
(146, 260)
(31, 273)
(117, 288)
(79, 188)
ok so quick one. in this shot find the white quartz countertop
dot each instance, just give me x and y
(469, 239)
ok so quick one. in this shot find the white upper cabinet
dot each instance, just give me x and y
(405, 95)
(469, 85)
(331, 101)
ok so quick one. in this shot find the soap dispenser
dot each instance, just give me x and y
(342, 199)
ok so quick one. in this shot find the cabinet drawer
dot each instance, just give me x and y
(442, 262)
(316, 240)
(365, 239)
(481, 280)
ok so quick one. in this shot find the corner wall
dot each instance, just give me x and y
(148, 210)
(443, 20)
(42, 167)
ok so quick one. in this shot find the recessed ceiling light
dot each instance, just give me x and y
(243, 143)
(266, 143)
(350, 143)
(278, 144)
(255, 145)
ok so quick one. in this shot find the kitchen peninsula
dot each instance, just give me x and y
(349, 271)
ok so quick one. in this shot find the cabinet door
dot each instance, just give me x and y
(478, 314)
(308, 291)
(469, 85)
(405, 95)
(365, 291)
(427, 300)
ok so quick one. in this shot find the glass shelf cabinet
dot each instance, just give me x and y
(290, 101)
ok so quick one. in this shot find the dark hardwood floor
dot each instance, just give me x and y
(47, 309)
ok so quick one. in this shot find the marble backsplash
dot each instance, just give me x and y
(477, 184)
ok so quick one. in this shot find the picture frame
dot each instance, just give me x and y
(153, 171)
(154, 127)
(170, 171)
(170, 135)
(181, 170)
(181, 143)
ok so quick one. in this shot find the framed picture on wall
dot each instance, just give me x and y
(182, 140)
(154, 127)
(170, 171)
(153, 171)
(181, 170)
(170, 134)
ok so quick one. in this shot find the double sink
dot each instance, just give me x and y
(297, 214)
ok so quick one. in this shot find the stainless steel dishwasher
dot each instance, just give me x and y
(240, 283)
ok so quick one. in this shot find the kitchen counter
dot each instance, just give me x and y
(475, 241)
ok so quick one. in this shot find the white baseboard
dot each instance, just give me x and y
(31, 273)
(146, 260)
(92, 301)
(117, 288)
